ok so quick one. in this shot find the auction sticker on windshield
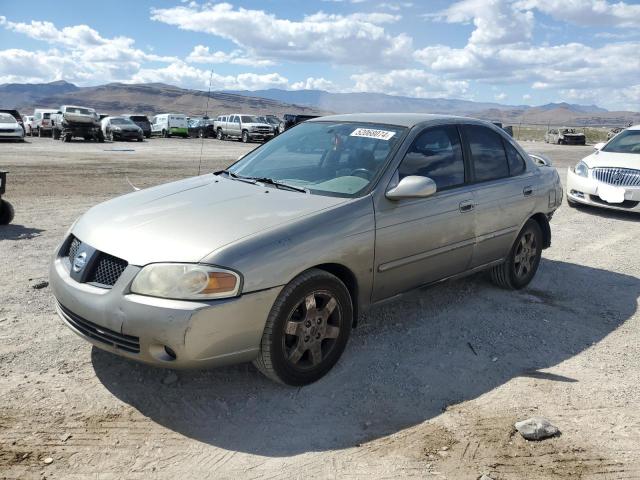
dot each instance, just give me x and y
(372, 133)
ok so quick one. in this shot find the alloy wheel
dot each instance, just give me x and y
(526, 253)
(311, 330)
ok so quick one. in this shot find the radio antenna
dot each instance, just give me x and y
(206, 114)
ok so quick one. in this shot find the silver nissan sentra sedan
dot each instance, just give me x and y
(272, 260)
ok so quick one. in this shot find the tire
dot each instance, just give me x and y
(318, 330)
(201, 134)
(516, 273)
(219, 134)
(67, 138)
(245, 137)
(111, 137)
(6, 212)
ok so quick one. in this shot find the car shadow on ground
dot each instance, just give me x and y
(407, 361)
(18, 232)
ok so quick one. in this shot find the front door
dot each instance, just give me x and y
(423, 240)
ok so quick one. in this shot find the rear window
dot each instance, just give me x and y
(80, 111)
(487, 151)
(139, 118)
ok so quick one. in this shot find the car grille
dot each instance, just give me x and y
(624, 177)
(263, 130)
(105, 271)
(128, 343)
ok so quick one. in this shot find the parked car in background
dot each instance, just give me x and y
(242, 127)
(142, 121)
(565, 136)
(275, 122)
(201, 128)
(610, 176)
(121, 128)
(272, 260)
(28, 123)
(10, 129)
(291, 120)
(170, 124)
(42, 121)
(76, 121)
(16, 115)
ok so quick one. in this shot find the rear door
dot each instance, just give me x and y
(422, 240)
(503, 191)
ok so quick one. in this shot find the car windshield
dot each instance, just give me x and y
(249, 119)
(6, 118)
(627, 141)
(81, 111)
(121, 121)
(326, 158)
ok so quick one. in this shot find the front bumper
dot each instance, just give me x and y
(127, 135)
(201, 334)
(260, 136)
(585, 191)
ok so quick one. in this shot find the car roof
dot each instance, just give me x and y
(634, 127)
(400, 119)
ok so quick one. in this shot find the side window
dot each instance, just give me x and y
(516, 162)
(236, 119)
(436, 153)
(487, 152)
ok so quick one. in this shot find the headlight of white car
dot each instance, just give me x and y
(581, 169)
(186, 281)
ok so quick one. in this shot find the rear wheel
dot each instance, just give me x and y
(6, 212)
(219, 134)
(307, 329)
(522, 263)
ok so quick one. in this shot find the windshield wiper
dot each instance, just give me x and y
(275, 183)
(235, 176)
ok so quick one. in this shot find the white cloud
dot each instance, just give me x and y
(356, 39)
(496, 22)
(411, 82)
(500, 96)
(597, 13)
(526, 97)
(314, 84)
(180, 73)
(201, 54)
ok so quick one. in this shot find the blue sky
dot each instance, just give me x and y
(507, 51)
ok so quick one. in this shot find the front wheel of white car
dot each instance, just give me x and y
(307, 329)
(521, 265)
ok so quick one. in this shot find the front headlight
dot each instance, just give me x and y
(581, 169)
(185, 281)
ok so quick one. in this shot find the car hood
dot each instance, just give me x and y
(186, 220)
(610, 159)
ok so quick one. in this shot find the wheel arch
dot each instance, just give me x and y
(543, 221)
(350, 281)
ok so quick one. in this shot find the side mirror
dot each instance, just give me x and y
(598, 146)
(541, 160)
(412, 186)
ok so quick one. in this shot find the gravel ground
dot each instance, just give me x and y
(429, 387)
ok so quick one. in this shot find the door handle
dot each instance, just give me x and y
(528, 190)
(467, 206)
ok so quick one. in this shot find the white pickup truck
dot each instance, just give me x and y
(242, 127)
(73, 121)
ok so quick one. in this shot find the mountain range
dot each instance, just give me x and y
(156, 98)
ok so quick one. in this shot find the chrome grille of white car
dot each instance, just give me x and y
(624, 177)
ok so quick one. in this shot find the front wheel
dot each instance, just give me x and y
(6, 212)
(307, 329)
(522, 263)
(219, 135)
(245, 137)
